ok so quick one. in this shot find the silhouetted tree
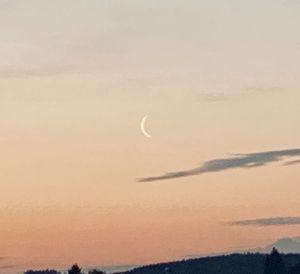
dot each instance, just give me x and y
(75, 269)
(274, 263)
(41, 272)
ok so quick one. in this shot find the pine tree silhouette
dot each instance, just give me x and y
(75, 269)
(274, 263)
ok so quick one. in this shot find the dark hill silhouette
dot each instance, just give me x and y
(229, 264)
(250, 263)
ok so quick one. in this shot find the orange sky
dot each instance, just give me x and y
(214, 78)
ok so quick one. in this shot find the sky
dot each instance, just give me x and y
(219, 82)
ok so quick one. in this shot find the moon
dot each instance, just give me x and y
(143, 127)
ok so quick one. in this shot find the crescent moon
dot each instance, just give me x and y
(143, 129)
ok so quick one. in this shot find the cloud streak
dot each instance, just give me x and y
(8, 266)
(268, 221)
(292, 163)
(249, 160)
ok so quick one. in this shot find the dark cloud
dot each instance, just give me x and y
(269, 221)
(249, 160)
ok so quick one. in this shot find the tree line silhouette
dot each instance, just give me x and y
(273, 263)
(75, 269)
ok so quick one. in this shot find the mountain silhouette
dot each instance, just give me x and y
(284, 245)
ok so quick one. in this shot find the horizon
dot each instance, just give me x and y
(137, 131)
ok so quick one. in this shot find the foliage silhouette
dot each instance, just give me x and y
(274, 263)
(47, 271)
(75, 269)
(95, 271)
(229, 264)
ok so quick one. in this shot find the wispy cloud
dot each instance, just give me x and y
(292, 163)
(32, 72)
(277, 221)
(238, 94)
(8, 266)
(249, 160)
